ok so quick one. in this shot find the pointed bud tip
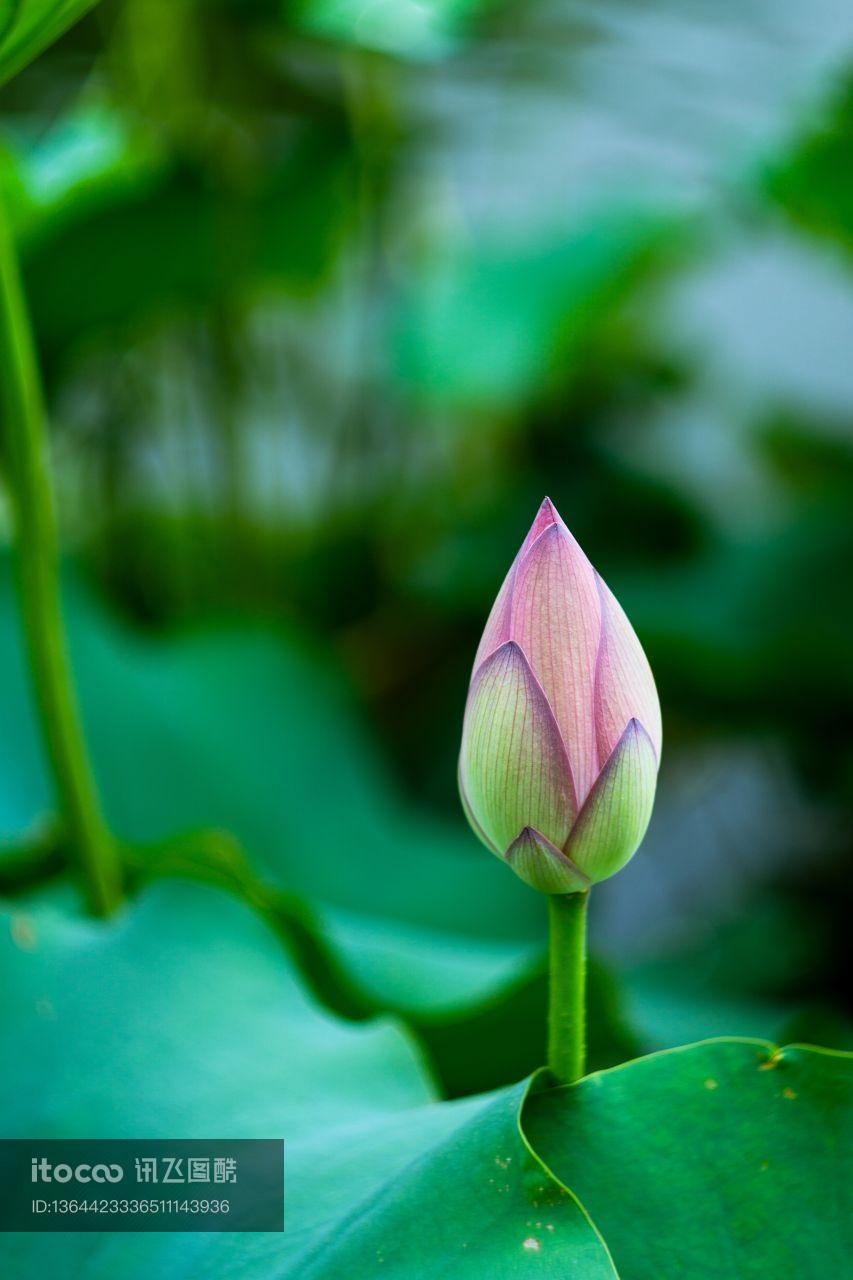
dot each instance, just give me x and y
(547, 514)
(547, 517)
(549, 527)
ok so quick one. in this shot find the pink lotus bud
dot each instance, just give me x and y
(562, 734)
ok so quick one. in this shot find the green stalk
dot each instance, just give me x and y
(26, 451)
(567, 986)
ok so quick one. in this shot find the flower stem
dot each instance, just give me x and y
(26, 456)
(567, 986)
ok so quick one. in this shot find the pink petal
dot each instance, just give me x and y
(624, 686)
(513, 767)
(556, 618)
(614, 818)
(543, 866)
(496, 631)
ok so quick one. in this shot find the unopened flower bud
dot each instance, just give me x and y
(562, 734)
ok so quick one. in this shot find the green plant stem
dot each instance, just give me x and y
(26, 451)
(567, 986)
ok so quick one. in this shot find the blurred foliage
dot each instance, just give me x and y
(812, 181)
(176, 245)
(496, 324)
(28, 26)
(408, 29)
(314, 351)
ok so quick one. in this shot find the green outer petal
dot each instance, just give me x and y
(513, 767)
(543, 866)
(614, 818)
(472, 821)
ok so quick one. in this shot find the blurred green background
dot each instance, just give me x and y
(327, 297)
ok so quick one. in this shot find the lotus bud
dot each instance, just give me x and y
(562, 734)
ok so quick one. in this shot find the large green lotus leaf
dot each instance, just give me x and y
(436, 1219)
(187, 1000)
(183, 1018)
(28, 26)
(728, 1158)
(252, 730)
